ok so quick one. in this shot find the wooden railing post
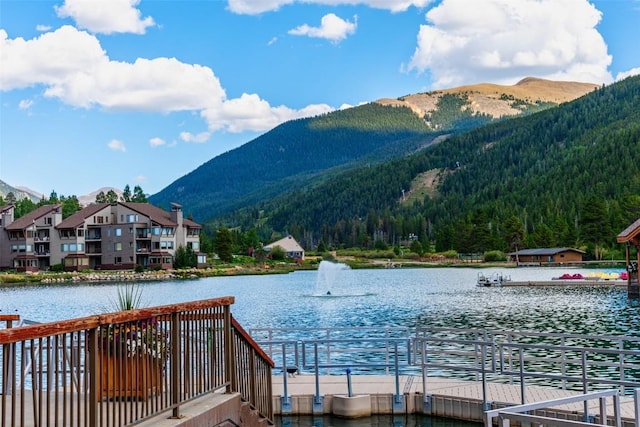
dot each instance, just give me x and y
(91, 354)
(229, 352)
(175, 363)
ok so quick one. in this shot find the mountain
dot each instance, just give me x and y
(528, 95)
(303, 153)
(89, 198)
(19, 192)
(566, 176)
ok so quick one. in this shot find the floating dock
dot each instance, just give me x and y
(445, 397)
(567, 283)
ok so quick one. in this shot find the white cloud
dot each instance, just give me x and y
(106, 16)
(199, 138)
(503, 41)
(249, 112)
(255, 7)
(116, 145)
(42, 28)
(140, 179)
(157, 142)
(25, 104)
(332, 27)
(72, 66)
(624, 74)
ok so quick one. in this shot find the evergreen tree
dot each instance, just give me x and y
(594, 226)
(223, 244)
(70, 205)
(11, 198)
(111, 197)
(126, 193)
(185, 257)
(138, 195)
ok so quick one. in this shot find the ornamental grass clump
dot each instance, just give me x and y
(140, 337)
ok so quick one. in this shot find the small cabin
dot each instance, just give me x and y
(547, 256)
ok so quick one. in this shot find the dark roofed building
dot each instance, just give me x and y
(116, 236)
(547, 255)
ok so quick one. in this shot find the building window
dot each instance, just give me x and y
(132, 218)
(47, 220)
(72, 247)
(117, 232)
(117, 246)
(117, 260)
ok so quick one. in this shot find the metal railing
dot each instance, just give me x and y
(327, 351)
(121, 368)
(582, 363)
(525, 414)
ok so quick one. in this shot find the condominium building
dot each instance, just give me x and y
(103, 236)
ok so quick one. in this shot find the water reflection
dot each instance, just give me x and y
(445, 297)
(373, 421)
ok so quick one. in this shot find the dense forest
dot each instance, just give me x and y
(304, 152)
(566, 176)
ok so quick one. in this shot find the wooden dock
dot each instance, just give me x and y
(568, 283)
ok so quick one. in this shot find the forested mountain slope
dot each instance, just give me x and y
(290, 155)
(304, 152)
(566, 176)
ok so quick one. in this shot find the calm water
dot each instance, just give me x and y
(395, 297)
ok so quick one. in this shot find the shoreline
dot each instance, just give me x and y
(94, 276)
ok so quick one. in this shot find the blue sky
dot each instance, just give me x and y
(98, 93)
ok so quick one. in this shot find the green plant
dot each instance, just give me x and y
(493, 256)
(129, 297)
(141, 337)
(277, 253)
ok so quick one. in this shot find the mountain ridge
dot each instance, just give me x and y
(497, 100)
(295, 154)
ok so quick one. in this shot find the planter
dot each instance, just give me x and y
(129, 377)
(356, 406)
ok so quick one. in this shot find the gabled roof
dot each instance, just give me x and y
(25, 221)
(78, 218)
(158, 215)
(629, 233)
(5, 208)
(546, 251)
(288, 244)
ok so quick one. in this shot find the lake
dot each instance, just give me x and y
(409, 297)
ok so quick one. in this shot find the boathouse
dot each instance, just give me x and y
(547, 256)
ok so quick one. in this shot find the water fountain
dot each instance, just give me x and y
(332, 273)
(328, 273)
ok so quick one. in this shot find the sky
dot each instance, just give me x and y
(108, 93)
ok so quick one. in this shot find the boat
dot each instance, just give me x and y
(493, 280)
(593, 276)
